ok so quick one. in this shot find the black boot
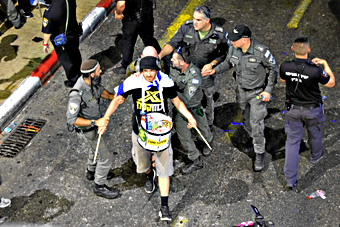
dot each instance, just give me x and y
(206, 151)
(259, 162)
(196, 165)
(90, 175)
(105, 191)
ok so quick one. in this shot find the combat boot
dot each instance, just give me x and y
(196, 165)
(105, 191)
(259, 162)
(206, 151)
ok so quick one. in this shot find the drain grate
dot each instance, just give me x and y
(20, 137)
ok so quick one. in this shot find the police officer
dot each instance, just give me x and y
(137, 19)
(54, 23)
(304, 105)
(208, 47)
(84, 113)
(250, 60)
(188, 80)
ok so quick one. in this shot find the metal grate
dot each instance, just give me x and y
(20, 137)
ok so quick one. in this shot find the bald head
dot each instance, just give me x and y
(149, 51)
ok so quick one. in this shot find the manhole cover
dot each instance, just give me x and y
(20, 137)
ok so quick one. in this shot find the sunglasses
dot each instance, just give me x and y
(204, 10)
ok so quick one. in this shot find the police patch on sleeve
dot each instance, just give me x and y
(192, 91)
(324, 74)
(73, 107)
(45, 22)
(195, 81)
(272, 59)
(267, 54)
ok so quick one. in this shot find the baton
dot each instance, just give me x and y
(96, 153)
(202, 137)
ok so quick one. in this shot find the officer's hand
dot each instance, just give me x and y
(192, 123)
(319, 61)
(206, 67)
(45, 48)
(266, 96)
(102, 122)
(118, 16)
(101, 130)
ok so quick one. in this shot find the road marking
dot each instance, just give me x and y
(294, 21)
(185, 14)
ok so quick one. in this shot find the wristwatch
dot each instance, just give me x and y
(93, 123)
(212, 63)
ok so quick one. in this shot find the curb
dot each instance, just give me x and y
(29, 86)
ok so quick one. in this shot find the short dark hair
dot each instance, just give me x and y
(301, 45)
(184, 52)
(203, 9)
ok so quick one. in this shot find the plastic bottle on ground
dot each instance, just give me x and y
(317, 194)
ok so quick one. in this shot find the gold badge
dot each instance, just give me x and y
(45, 22)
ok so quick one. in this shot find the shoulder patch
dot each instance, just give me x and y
(324, 74)
(192, 91)
(219, 29)
(267, 54)
(192, 70)
(189, 22)
(259, 48)
(195, 81)
(45, 22)
(73, 107)
(272, 59)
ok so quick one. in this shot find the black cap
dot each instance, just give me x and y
(149, 63)
(240, 31)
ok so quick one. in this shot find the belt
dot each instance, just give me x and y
(253, 89)
(307, 107)
(85, 130)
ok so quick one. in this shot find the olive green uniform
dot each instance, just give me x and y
(188, 87)
(81, 94)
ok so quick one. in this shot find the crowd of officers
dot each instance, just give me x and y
(197, 52)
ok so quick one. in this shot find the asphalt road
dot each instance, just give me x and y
(46, 181)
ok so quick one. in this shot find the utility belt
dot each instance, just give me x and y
(78, 129)
(306, 107)
(253, 89)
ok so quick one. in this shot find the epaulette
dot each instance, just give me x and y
(219, 29)
(193, 71)
(189, 22)
(259, 48)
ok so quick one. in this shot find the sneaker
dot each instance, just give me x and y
(27, 13)
(149, 185)
(119, 70)
(4, 202)
(291, 186)
(90, 175)
(259, 162)
(164, 213)
(20, 25)
(316, 161)
(105, 191)
(69, 83)
(196, 165)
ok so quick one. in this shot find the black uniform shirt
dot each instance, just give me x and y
(55, 16)
(307, 84)
(152, 102)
